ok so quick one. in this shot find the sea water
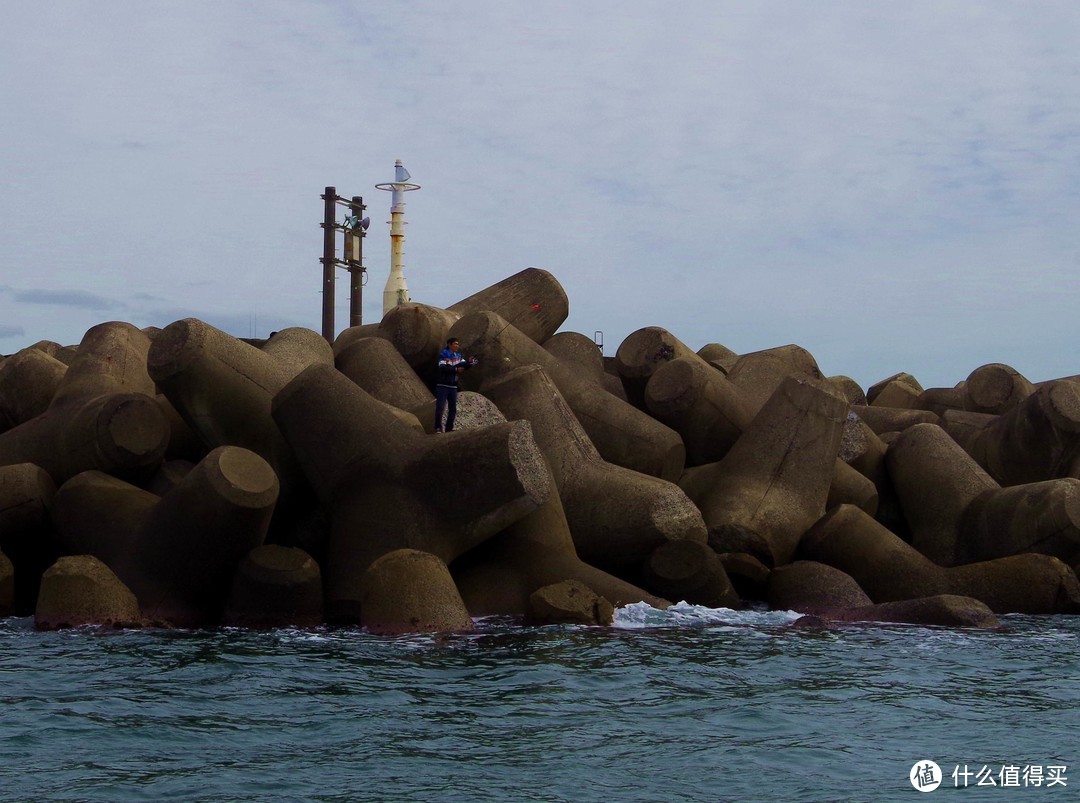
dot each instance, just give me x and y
(689, 704)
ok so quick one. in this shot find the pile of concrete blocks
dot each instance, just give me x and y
(183, 477)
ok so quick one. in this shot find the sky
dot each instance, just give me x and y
(892, 186)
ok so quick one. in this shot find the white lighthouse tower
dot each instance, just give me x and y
(396, 291)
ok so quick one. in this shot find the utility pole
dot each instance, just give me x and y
(354, 228)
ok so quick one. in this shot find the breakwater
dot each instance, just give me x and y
(184, 477)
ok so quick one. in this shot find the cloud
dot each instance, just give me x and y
(66, 298)
(11, 331)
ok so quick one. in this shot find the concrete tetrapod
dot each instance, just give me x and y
(387, 487)
(888, 569)
(995, 388)
(1037, 440)
(758, 374)
(935, 481)
(532, 299)
(773, 484)
(28, 381)
(699, 403)
(617, 516)
(892, 419)
(623, 434)
(569, 602)
(223, 387)
(100, 515)
(692, 572)
(102, 416)
(718, 356)
(940, 401)
(1039, 517)
(824, 591)
(849, 388)
(644, 352)
(884, 385)
(177, 553)
(81, 590)
(7, 586)
(275, 586)
(375, 365)
(410, 591)
(574, 348)
(499, 575)
(418, 332)
(27, 494)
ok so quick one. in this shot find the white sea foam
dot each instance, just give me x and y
(642, 615)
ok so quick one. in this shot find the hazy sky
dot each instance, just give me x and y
(893, 186)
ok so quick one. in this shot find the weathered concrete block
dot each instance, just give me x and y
(100, 515)
(386, 487)
(28, 381)
(617, 516)
(807, 586)
(851, 487)
(223, 387)
(26, 533)
(574, 348)
(849, 388)
(888, 569)
(943, 610)
(941, 401)
(897, 394)
(892, 419)
(963, 427)
(169, 476)
(81, 590)
(347, 336)
(698, 402)
(499, 575)
(995, 389)
(275, 586)
(759, 373)
(409, 591)
(773, 484)
(935, 481)
(641, 354)
(375, 365)
(718, 356)
(621, 433)
(1041, 517)
(532, 300)
(7, 586)
(901, 378)
(177, 553)
(1037, 440)
(690, 571)
(103, 415)
(827, 592)
(569, 602)
(748, 575)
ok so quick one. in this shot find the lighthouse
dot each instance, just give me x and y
(396, 291)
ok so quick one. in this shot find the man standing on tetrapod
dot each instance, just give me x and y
(451, 363)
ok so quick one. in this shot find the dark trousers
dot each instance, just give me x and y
(445, 399)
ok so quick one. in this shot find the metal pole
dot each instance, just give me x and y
(329, 246)
(356, 274)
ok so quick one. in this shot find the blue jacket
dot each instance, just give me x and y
(449, 362)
